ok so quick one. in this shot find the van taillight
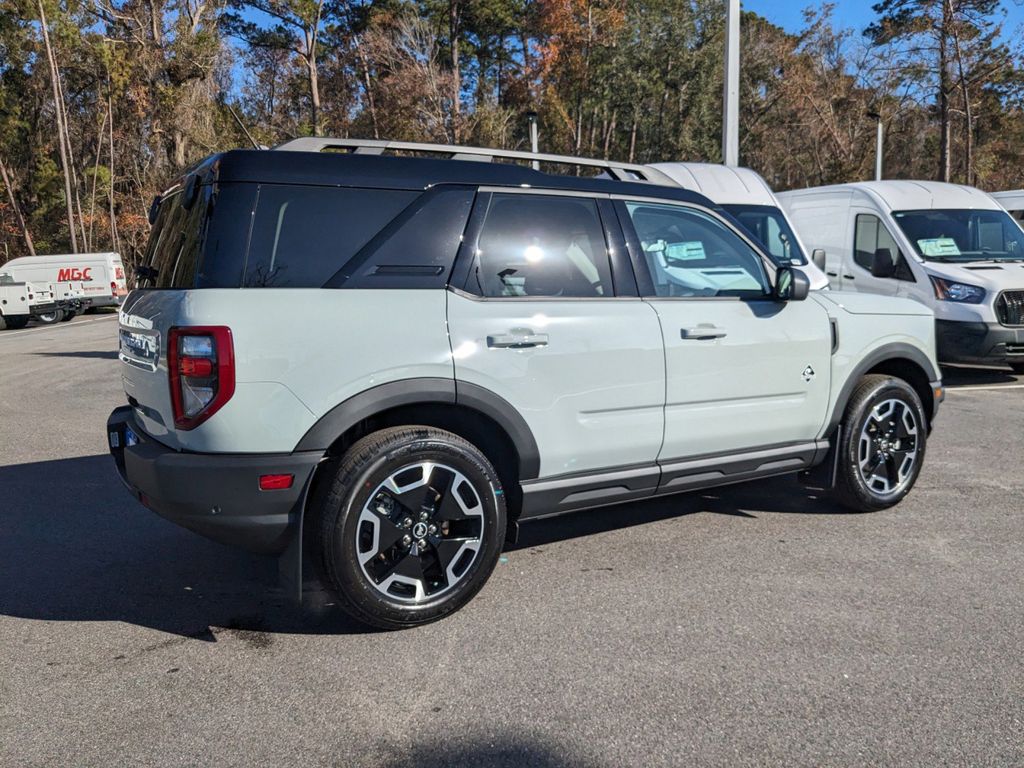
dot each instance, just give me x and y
(201, 364)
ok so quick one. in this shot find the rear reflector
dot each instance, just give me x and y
(276, 482)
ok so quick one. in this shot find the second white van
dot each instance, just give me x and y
(746, 196)
(950, 247)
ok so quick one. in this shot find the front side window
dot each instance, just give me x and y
(541, 245)
(962, 235)
(690, 253)
(871, 236)
(769, 227)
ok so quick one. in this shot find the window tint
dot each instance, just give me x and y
(690, 253)
(177, 239)
(301, 235)
(417, 249)
(871, 235)
(540, 245)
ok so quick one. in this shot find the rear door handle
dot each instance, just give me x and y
(517, 338)
(848, 277)
(702, 333)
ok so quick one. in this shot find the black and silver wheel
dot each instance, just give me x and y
(49, 318)
(883, 444)
(411, 526)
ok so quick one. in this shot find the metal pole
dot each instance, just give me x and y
(731, 94)
(534, 142)
(879, 144)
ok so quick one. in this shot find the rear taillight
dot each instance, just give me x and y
(201, 364)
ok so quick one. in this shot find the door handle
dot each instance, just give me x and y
(832, 274)
(517, 338)
(702, 333)
(848, 277)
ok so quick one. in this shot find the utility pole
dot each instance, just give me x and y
(879, 143)
(532, 118)
(731, 91)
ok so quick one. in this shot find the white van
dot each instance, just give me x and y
(951, 247)
(101, 275)
(1012, 201)
(746, 196)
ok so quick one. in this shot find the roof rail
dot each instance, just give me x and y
(615, 170)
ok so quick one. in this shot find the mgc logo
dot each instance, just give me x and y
(68, 274)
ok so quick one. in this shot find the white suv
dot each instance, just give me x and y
(389, 362)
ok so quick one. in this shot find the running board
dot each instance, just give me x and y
(567, 493)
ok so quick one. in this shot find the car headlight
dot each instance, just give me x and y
(947, 290)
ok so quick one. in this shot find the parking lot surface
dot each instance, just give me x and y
(753, 625)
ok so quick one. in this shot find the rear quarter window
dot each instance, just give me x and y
(301, 236)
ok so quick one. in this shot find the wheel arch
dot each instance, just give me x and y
(900, 360)
(484, 418)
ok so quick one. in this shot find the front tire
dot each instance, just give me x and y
(882, 446)
(410, 527)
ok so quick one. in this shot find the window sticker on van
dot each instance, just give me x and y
(690, 251)
(938, 246)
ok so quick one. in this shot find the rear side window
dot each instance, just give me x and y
(540, 245)
(176, 240)
(302, 235)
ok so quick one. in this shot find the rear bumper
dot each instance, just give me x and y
(215, 495)
(961, 342)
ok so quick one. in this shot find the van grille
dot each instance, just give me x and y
(1010, 308)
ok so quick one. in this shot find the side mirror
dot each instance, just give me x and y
(818, 258)
(882, 265)
(791, 284)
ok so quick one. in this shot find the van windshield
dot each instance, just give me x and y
(769, 227)
(962, 235)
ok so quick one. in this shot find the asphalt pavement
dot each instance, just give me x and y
(753, 625)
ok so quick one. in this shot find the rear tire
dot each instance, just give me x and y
(69, 314)
(410, 527)
(882, 446)
(51, 318)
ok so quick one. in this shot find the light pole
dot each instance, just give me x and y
(731, 90)
(879, 142)
(532, 118)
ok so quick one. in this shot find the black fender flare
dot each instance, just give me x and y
(892, 351)
(426, 391)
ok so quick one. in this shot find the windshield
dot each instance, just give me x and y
(769, 227)
(962, 235)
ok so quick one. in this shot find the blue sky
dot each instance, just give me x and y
(788, 14)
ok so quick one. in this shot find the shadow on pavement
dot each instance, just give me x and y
(501, 751)
(76, 546)
(967, 376)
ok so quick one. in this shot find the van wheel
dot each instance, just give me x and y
(50, 318)
(882, 446)
(410, 526)
(5, 323)
(69, 314)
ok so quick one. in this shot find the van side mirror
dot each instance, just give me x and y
(818, 258)
(791, 284)
(882, 265)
